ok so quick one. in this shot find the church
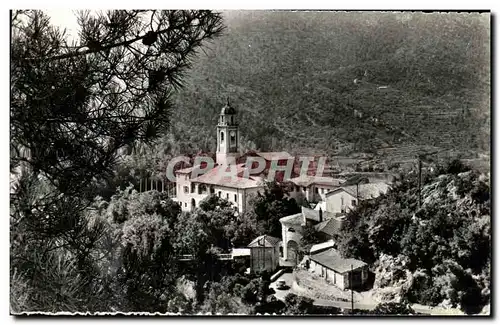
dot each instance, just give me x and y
(191, 187)
(237, 190)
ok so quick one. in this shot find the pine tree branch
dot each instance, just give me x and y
(95, 50)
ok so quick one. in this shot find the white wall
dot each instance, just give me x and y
(334, 202)
(286, 236)
(184, 199)
(237, 197)
(330, 276)
(310, 192)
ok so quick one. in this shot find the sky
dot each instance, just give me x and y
(66, 19)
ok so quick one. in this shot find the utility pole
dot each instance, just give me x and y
(352, 293)
(419, 182)
(264, 251)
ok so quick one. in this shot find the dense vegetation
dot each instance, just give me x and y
(297, 69)
(445, 244)
(73, 108)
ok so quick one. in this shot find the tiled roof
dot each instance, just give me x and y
(294, 219)
(322, 246)
(330, 227)
(264, 241)
(317, 180)
(331, 259)
(270, 156)
(216, 176)
(365, 191)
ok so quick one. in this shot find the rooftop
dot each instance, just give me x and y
(270, 156)
(317, 180)
(365, 191)
(227, 109)
(294, 219)
(332, 259)
(219, 175)
(322, 246)
(264, 241)
(330, 227)
(310, 214)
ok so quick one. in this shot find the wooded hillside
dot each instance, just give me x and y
(422, 79)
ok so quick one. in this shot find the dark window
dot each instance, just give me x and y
(235, 198)
(227, 196)
(304, 189)
(316, 190)
(353, 203)
(291, 230)
(221, 136)
(219, 193)
(186, 189)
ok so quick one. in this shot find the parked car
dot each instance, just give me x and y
(281, 284)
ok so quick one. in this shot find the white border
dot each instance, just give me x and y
(192, 4)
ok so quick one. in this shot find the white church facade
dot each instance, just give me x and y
(237, 190)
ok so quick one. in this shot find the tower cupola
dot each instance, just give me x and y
(227, 134)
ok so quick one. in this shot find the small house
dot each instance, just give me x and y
(345, 198)
(264, 253)
(342, 272)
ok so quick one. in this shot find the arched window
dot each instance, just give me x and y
(291, 230)
(221, 137)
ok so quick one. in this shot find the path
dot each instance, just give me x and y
(288, 277)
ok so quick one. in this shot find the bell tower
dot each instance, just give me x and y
(228, 135)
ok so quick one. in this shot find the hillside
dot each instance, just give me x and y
(438, 254)
(421, 80)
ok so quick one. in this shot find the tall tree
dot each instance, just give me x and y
(271, 205)
(73, 107)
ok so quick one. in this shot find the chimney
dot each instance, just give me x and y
(320, 215)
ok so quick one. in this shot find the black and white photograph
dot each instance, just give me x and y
(250, 163)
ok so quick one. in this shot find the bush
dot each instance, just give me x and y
(298, 305)
(392, 308)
